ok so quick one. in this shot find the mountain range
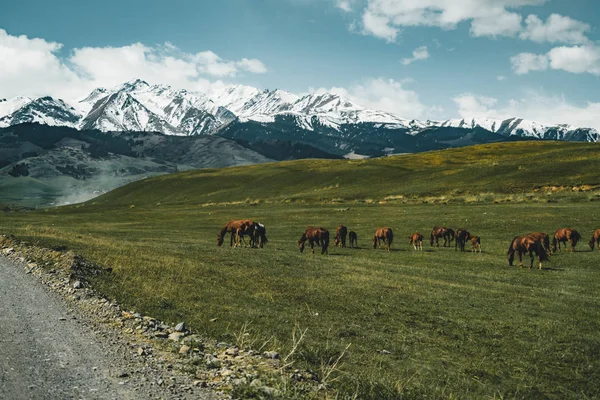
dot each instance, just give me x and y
(323, 120)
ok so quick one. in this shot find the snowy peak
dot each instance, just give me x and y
(43, 110)
(9, 106)
(233, 97)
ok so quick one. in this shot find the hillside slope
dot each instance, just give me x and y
(491, 168)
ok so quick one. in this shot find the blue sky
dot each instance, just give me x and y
(483, 58)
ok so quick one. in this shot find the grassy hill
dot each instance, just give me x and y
(504, 168)
(431, 324)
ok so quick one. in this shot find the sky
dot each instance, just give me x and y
(419, 59)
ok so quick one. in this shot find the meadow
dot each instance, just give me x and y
(404, 324)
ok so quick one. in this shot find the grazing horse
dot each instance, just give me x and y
(416, 239)
(320, 236)
(384, 235)
(353, 239)
(340, 236)
(258, 235)
(543, 239)
(245, 226)
(595, 240)
(461, 237)
(475, 243)
(563, 236)
(526, 244)
(441, 232)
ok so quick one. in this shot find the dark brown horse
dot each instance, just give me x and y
(461, 236)
(384, 235)
(526, 244)
(243, 225)
(564, 235)
(475, 243)
(340, 236)
(544, 240)
(595, 240)
(416, 240)
(441, 232)
(320, 236)
(353, 239)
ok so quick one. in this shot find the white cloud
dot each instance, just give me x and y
(420, 53)
(384, 18)
(524, 62)
(532, 106)
(32, 67)
(252, 65)
(386, 95)
(556, 29)
(344, 5)
(575, 59)
(500, 78)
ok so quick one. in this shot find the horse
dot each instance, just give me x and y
(320, 236)
(258, 237)
(460, 239)
(564, 235)
(475, 243)
(416, 239)
(232, 227)
(595, 240)
(526, 244)
(441, 232)
(353, 239)
(544, 240)
(384, 235)
(340, 236)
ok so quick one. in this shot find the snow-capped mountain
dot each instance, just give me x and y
(246, 113)
(44, 110)
(136, 105)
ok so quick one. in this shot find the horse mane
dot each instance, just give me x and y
(220, 236)
(511, 251)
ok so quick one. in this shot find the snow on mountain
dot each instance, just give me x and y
(233, 97)
(9, 106)
(43, 110)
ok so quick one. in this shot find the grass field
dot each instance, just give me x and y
(436, 324)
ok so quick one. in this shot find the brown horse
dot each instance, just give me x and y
(475, 243)
(461, 236)
(320, 236)
(543, 239)
(340, 236)
(563, 236)
(595, 240)
(245, 226)
(353, 239)
(526, 244)
(441, 232)
(384, 235)
(416, 239)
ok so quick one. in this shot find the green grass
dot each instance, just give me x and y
(455, 325)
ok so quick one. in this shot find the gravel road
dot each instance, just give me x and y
(49, 352)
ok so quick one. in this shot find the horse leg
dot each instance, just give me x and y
(312, 246)
(520, 258)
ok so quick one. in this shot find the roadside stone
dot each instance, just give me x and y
(140, 351)
(8, 251)
(77, 285)
(180, 327)
(184, 349)
(176, 336)
(232, 351)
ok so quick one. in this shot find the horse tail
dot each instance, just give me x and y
(554, 243)
(431, 239)
(577, 236)
(547, 243)
(221, 235)
(592, 242)
(390, 237)
(511, 252)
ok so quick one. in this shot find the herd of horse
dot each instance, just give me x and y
(537, 243)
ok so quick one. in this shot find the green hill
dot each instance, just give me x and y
(504, 168)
